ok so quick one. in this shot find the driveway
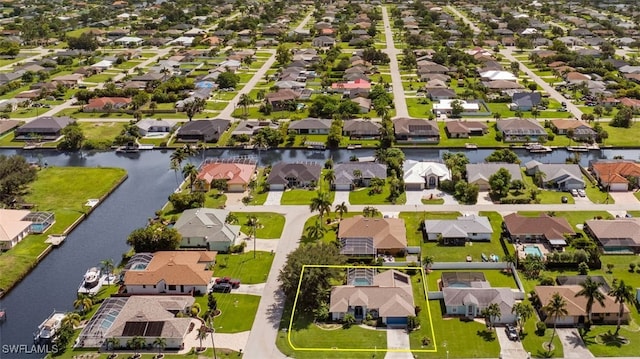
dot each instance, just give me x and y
(572, 344)
(341, 196)
(273, 198)
(253, 289)
(398, 339)
(509, 349)
(624, 197)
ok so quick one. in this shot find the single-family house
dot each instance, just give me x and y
(361, 129)
(132, 41)
(311, 126)
(479, 173)
(149, 125)
(8, 125)
(620, 235)
(13, 227)
(521, 130)
(416, 130)
(172, 272)
(323, 41)
(579, 130)
(494, 75)
(251, 127)
(437, 94)
(421, 175)
(45, 128)
(282, 99)
(559, 176)
(387, 295)
(293, 175)
(103, 65)
(615, 175)
(467, 294)
(525, 101)
(364, 104)
(146, 317)
(465, 129)
(236, 174)
(206, 228)
(577, 307)
(106, 104)
(458, 232)
(535, 229)
(357, 174)
(348, 86)
(202, 130)
(364, 236)
(445, 107)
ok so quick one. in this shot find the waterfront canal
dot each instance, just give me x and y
(54, 282)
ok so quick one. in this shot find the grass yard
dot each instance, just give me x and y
(362, 196)
(244, 267)
(98, 78)
(487, 140)
(594, 193)
(215, 199)
(101, 130)
(272, 223)
(432, 201)
(301, 196)
(64, 191)
(238, 311)
(620, 136)
(220, 352)
(545, 196)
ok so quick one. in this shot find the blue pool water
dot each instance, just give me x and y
(361, 282)
(532, 250)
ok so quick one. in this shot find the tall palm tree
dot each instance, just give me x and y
(245, 101)
(160, 343)
(107, 266)
(321, 203)
(523, 312)
(622, 293)
(136, 343)
(193, 107)
(557, 307)
(341, 209)
(358, 175)
(591, 291)
(492, 314)
(191, 172)
(317, 230)
(177, 157)
(369, 211)
(427, 261)
(330, 177)
(73, 319)
(254, 224)
(202, 334)
(189, 151)
(83, 303)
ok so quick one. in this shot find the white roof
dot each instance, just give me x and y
(183, 40)
(129, 39)
(103, 63)
(446, 105)
(416, 172)
(460, 227)
(498, 75)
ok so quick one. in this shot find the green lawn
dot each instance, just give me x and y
(301, 196)
(238, 311)
(215, 199)
(101, 130)
(620, 136)
(271, 223)
(547, 197)
(244, 266)
(98, 78)
(594, 193)
(432, 201)
(259, 194)
(64, 191)
(362, 196)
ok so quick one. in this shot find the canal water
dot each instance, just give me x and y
(52, 285)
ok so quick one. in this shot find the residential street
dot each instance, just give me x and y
(396, 79)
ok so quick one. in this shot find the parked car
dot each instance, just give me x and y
(221, 288)
(582, 193)
(574, 192)
(235, 283)
(512, 332)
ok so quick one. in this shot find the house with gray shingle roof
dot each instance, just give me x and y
(458, 231)
(346, 179)
(293, 175)
(562, 176)
(479, 173)
(206, 228)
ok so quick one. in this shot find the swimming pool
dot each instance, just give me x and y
(532, 250)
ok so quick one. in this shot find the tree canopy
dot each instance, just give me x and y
(15, 174)
(153, 238)
(503, 155)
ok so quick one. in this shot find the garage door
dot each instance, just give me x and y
(397, 321)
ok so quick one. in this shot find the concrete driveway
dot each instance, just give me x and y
(273, 198)
(572, 344)
(341, 196)
(253, 289)
(398, 339)
(624, 197)
(509, 349)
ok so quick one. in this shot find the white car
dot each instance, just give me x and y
(574, 192)
(582, 193)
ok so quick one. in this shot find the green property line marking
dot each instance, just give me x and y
(295, 304)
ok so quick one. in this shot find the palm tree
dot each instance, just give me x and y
(189, 151)
(107, 265)
(591, 291)
(623, 293)
(175, 166)
(72, 319)
(83, 303)
(112, 343)
(245, 101)
(369, 211)
(136, 343)
(557, 307)
(321, 203)
(160, 343)
(491, 312)
(427, 261)
(523, 312)
(191, 172)
(330, 177)
(317, 230)
(254, 224)
(341, 209)
(177, 157)
(202, 334)
(358, 175)
(193, 107)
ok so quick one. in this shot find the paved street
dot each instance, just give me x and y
(396, 80)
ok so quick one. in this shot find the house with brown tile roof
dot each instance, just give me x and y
(361, 129)
(537, 229)
(236, 175)
(172, 272)
(416, 130)
(106, 104)
(8, 125)
(363, 236)
(630, 102)
(614, 174)
(620, 235)
(465, 129)
(387, 295)
(581, 130)
(281, 99)
(576, 306)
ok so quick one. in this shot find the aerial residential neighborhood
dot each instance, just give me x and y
(319, 179)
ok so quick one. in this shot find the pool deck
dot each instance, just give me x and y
(520, 249)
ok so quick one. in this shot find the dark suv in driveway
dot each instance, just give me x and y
(512, 332)
(221, 288)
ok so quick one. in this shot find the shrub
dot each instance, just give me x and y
(632, 267)
(540, 328)
(426, 341)
(583, 268)
(547, 280)
(238, 248)
(412, 323)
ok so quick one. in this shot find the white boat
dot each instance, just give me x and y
(471, 146)
(578, 148)
(91, 278)
(47, 330)
(536, 147)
